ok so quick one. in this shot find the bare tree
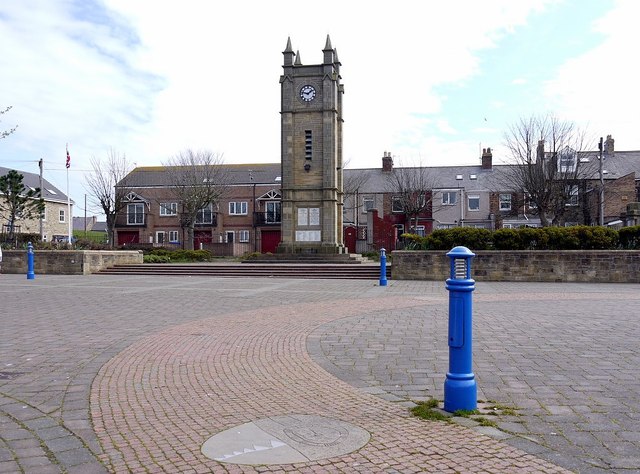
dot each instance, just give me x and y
(101, 184)
(198, 181)
(6, 133)
(353, 185)
(548, 164)
(411, 189)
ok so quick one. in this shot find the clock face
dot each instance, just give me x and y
(307, 93)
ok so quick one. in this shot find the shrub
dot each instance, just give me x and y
(156, 259)
(446, 239)
(413, 242)
(508, 239)
(630, 237)
(190, 256)
(560, 238)
(596, 238)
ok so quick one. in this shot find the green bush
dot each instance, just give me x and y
(163, 255)
(413, 242)
(596, 238)
(508, 239)
(547, 238)
(156, 259)
(630, 237)
(446, 239)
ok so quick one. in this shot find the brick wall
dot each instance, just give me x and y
(597, 266)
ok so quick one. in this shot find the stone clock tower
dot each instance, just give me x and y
(311, 142)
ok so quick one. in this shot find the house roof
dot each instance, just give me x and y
(473, 177)
(157, 176)
(441, 177)
(32, 180)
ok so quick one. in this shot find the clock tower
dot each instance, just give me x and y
(311, 154)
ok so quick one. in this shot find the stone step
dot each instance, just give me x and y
(327, 271)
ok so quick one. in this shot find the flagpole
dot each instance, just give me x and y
(70, 219)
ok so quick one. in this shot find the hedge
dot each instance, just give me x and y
(545, 238)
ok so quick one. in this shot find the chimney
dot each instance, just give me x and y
(608, 146)
(487, 159)
(387, 161)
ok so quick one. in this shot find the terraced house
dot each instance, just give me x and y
(246, 218)
(381, 203)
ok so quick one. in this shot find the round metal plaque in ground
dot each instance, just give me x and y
(285, 440)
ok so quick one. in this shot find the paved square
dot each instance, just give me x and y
(128, 374)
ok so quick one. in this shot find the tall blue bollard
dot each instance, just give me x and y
(383, 267)
(460, 390)
(30, 274)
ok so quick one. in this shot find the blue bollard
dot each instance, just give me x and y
(30, 274)
(383, 267)
(460, 389)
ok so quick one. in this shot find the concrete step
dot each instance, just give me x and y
(328, 271)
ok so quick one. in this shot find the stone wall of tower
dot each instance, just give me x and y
(311, 184)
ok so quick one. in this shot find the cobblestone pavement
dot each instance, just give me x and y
(133, 374)
(566, 356)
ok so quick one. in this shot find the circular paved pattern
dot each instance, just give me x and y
(159, 400)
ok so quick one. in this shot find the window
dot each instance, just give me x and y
(160, 237)
(473, 203)
(418, 230)
(505, 202)
(173, 236)
(572, 191)
(205, 215)
(567, 160)
(396, 204)
(238, 208)
(135, 213)
(530, 202)
(168, 208)
(230, 235)
(449, 198)
(444, 225)
(61, 215)
(272, 214)
(243, 236)
(507, 226)
(367, 204)
(308, 148)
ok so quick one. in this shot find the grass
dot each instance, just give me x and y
(425, 410)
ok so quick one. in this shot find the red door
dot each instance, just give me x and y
(270, 240)
(350, 234)
(128, 237)
(201, 236)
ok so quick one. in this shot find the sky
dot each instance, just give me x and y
(430, 82)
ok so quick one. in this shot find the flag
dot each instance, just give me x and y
(68, 159)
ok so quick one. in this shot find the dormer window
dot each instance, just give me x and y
(567, 160)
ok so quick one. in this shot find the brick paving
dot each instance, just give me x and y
(133, 374)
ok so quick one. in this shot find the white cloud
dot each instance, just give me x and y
(599, 90)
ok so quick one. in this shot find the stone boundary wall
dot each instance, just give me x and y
(67, 262)
(593, 266)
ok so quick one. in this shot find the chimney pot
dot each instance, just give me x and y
(387, 161)
(487, 159)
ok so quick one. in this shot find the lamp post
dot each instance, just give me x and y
(601, 171)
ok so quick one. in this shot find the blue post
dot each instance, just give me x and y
(383, 267)
(460, 390)
(30, 274)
